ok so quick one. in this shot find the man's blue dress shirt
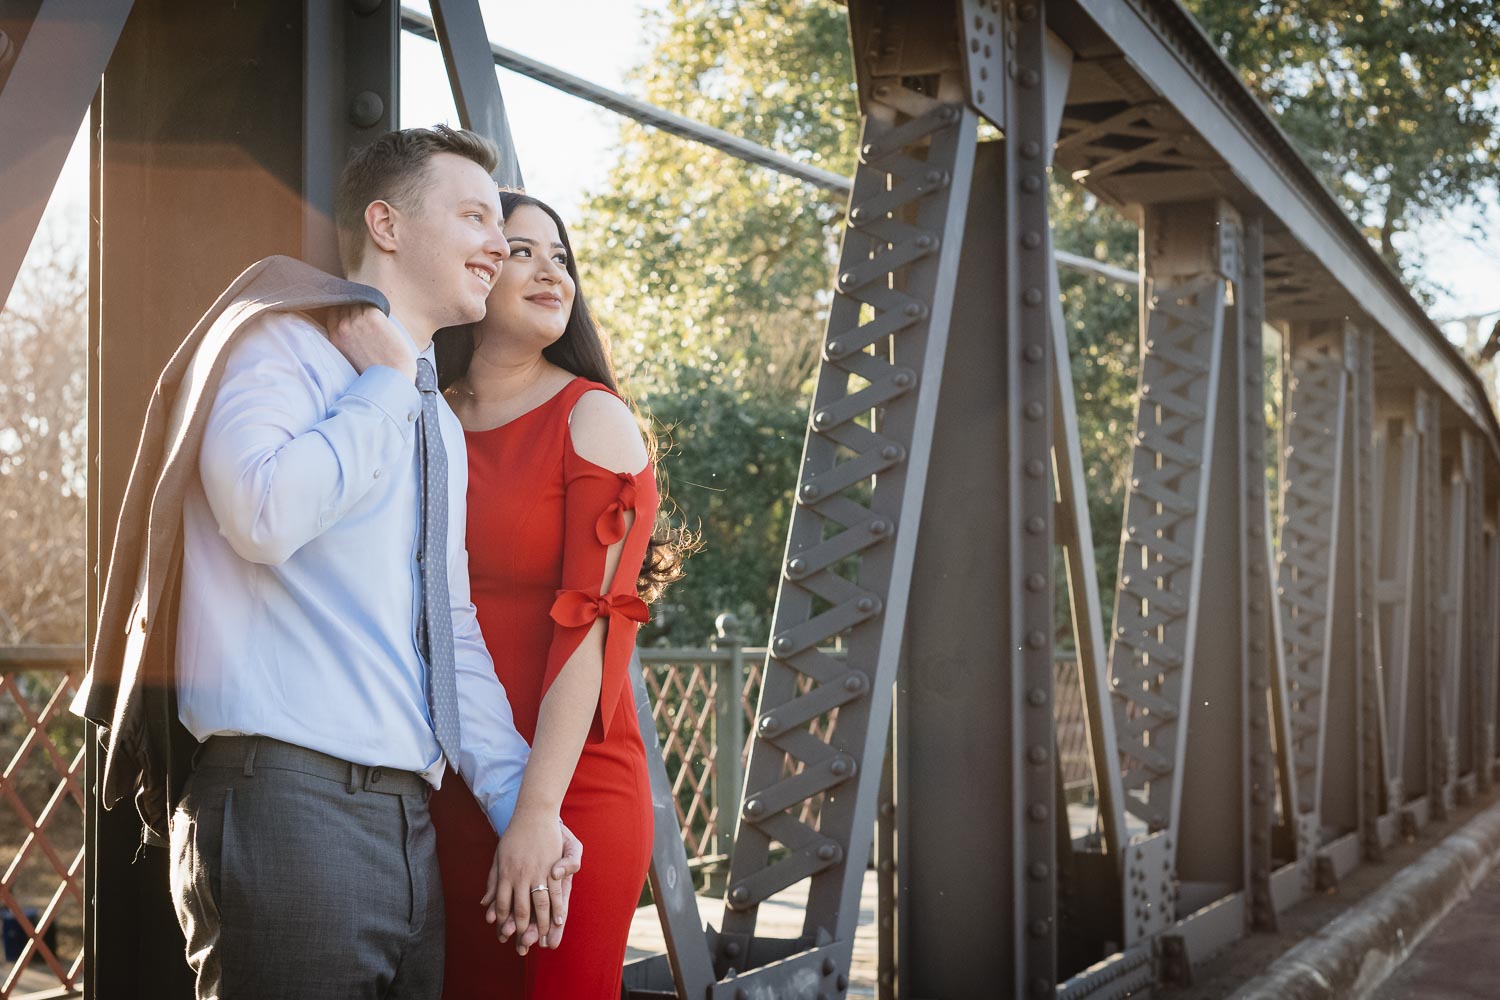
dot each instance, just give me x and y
(301, 590)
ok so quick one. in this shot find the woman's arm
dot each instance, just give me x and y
(604, 433)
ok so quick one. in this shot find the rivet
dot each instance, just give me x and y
(828, 966)
(366, 110)
(809, 491)
(1034, 410)
(767, 723)
(1030, 149)
(1036, 525)
(847, 278)
(879, 526)
(903, 380)
(883, 90)
(893, 453)
(1037, 812)
(1032, 297)
(795, 566)
(841, 767)
(754, 808)
(926, 242)
(782, 643)
(915, 310)
(739, 894)
(1036, 582)
(1031, 240)
(829, 852)
(365, 7)
(937, 177)
(948, 114)
(835, 348)
(841, 982)
(1036, 639)
(1035, 469)
(1038, 928)
(855, 683)
(1037, 754)
(1031, 183)
(1037, 870)
(867, 605)
(1033, 353)
(732, 949)
(1036, 697)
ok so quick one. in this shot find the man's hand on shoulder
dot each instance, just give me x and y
(365, 336)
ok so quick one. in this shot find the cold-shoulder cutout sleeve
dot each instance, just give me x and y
(602, 507)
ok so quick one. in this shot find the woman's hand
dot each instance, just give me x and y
(531, 879)
(366, 336)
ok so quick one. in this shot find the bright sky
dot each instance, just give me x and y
(566, 144)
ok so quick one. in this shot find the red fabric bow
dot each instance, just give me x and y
(577, 608)
(611, 524)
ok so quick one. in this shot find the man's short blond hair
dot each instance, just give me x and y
(393, 169)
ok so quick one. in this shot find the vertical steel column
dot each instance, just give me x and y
(350, 53)
(1453, 672)
(204, 151)
(1190, 251)
(1212, 855)
(1364, 570)
(1477, 694)
(1439, 798)
(55, 64)
(1260, 650)
(1396, 453)
(1311, 479)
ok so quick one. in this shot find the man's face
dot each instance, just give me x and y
(451, 244)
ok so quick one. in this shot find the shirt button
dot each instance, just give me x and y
(410, 416)
(375, 776)
(377, 473)
(419, 559)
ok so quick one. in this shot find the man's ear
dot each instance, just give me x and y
(380, 220)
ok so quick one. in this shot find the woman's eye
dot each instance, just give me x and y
(520, 251)
(561, 259)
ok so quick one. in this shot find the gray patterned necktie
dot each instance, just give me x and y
(437, 614)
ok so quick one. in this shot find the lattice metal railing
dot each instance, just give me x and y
(41, 820)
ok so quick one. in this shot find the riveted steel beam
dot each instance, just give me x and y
(50, 66)
(458, 26)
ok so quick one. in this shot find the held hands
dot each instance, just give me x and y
(537, 852)
(365, 336)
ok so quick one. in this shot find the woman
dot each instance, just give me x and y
(562, 506)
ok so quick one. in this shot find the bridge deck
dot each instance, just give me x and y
(1460, 959)
(780, 916)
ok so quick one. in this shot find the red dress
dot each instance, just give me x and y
(540, 521)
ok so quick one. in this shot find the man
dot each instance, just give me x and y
(328, 658)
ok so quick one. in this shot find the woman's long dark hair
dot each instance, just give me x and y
(580, 350)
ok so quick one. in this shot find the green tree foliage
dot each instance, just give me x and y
(1392, 103)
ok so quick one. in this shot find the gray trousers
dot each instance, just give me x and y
(298, 875)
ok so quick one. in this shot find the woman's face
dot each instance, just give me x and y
(533, 296)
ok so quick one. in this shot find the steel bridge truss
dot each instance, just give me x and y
(1271, 704)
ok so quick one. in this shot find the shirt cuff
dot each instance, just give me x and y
(397, 398)
(501, 808)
